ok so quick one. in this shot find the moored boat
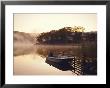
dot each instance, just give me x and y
(60, 59)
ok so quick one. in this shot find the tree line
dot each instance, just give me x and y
(66, 35)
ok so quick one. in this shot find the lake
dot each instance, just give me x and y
(31, 59)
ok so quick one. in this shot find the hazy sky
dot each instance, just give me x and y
(37, 23)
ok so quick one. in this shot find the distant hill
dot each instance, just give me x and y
(23, 37)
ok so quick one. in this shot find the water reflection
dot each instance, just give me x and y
(61, 65)
(35, 62)
(44, 50)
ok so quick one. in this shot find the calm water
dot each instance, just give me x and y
(33, 64)
(31, 60)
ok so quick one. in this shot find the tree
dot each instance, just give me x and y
(63, 35)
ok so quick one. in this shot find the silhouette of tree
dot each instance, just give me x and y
(64, 35)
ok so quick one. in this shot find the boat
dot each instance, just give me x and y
(60, 59)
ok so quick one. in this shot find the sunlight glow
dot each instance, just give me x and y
(38, 23)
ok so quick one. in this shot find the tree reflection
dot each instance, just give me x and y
(66, 50)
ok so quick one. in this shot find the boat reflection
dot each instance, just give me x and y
(64, 66)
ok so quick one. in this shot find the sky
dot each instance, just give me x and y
(38, 23)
